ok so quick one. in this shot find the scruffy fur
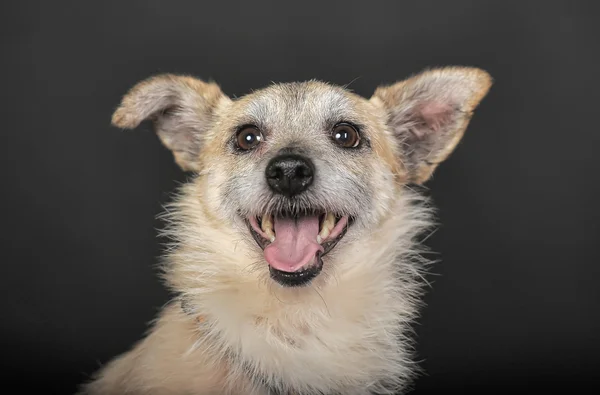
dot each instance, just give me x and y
(232, 329)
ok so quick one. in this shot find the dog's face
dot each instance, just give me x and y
(301, 165)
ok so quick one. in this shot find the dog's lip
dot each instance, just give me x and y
(328, 245)
(301, 276)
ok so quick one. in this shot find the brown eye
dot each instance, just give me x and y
(248, 137)
(345, 135)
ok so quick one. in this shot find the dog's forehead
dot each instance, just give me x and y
(311, 102)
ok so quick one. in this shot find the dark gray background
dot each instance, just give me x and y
(514, 302)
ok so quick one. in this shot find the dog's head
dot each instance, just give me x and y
(302, 164)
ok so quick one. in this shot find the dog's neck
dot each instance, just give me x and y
(233, 358)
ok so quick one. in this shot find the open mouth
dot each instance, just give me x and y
(295, 245)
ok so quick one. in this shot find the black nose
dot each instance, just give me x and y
(289, 174)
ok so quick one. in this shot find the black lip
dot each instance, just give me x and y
(298, 278)
(262, 243)
(328, 246)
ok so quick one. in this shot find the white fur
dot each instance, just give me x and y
(343, 329)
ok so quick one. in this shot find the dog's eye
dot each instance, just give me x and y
(248, 137)
(345, 135)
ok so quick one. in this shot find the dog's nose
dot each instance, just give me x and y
(289, 174)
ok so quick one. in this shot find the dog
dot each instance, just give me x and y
(295, 255)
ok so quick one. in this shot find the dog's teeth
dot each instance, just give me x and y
(267, 227)
(328, 225)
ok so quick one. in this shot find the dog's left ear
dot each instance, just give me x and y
(182, 109)
(428, 114)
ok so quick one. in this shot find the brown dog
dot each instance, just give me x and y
(294, 253)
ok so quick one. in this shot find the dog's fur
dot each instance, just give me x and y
(232, 329)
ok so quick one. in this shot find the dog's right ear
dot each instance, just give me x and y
(182, 109)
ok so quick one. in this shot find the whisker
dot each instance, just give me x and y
(312, 286)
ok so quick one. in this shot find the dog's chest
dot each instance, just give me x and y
(301, 357)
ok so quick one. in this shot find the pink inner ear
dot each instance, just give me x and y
(435, 115)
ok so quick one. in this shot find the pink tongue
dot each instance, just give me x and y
(295, 243)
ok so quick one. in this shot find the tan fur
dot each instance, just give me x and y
(349, 331)
(470, 84)
(193, 97)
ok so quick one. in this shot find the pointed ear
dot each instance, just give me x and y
(181, 108)
(428, 113)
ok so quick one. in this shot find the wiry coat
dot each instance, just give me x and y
(231, 329)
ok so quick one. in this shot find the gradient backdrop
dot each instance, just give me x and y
(514, 302)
